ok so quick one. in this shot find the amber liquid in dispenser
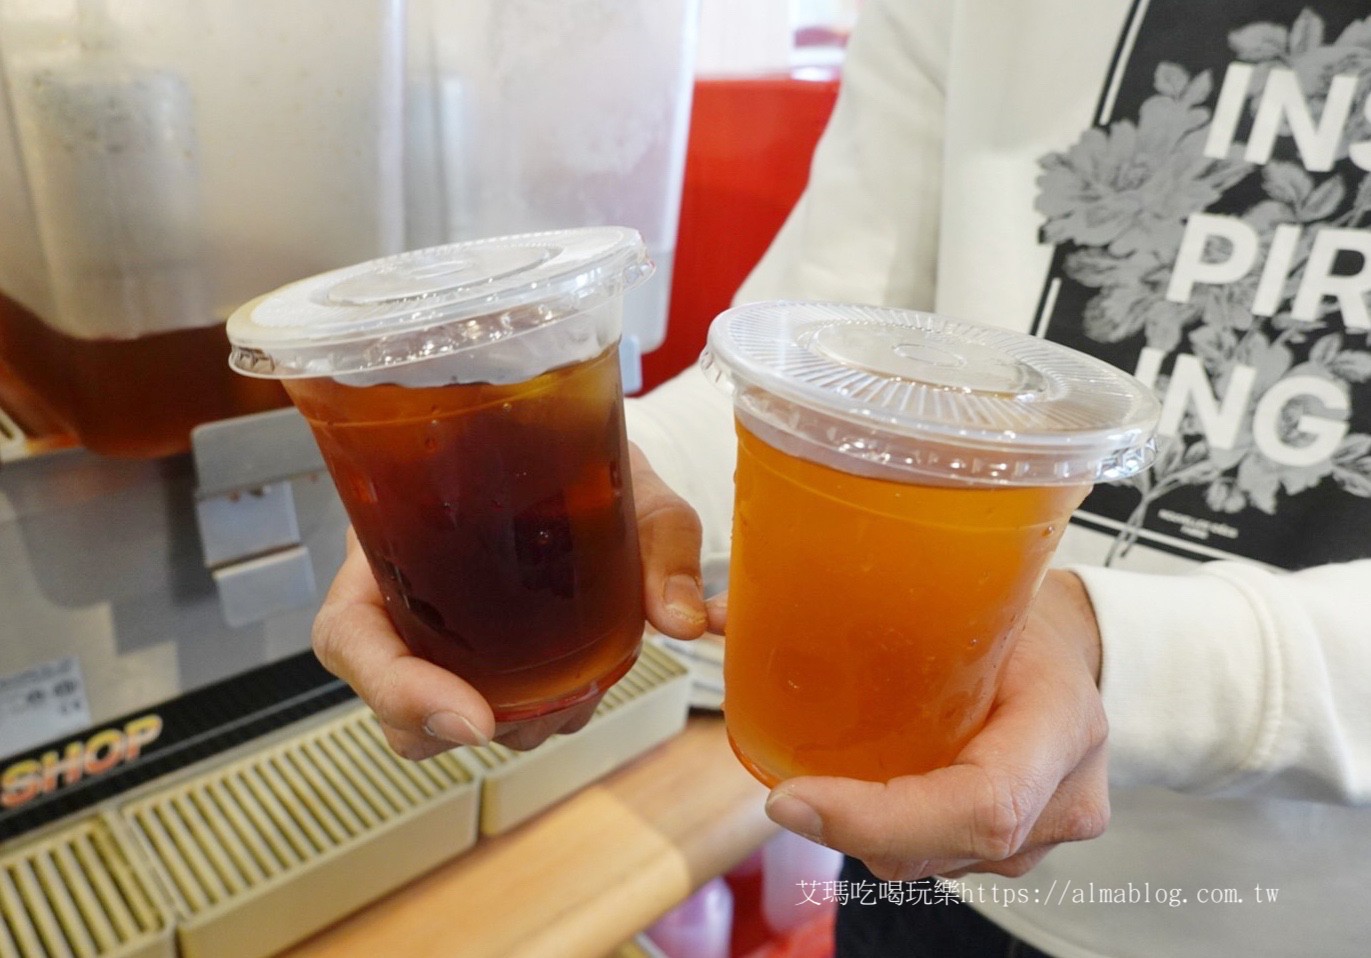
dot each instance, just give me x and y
(920, 590)
(131, 397)
(499, 522)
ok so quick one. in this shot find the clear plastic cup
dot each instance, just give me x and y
(903, 479)
(467, 400)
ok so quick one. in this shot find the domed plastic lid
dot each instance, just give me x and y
(908, 395)
(434, 302)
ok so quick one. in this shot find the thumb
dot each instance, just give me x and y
(669, 536)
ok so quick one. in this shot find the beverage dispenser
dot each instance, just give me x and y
(165, 525)
(528, 115)
(166, 161)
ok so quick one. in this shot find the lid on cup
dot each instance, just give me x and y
(445, 301)
(907, 395)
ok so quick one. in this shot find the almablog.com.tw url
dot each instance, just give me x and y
(1058, 893)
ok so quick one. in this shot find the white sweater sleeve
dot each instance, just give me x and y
(1238, 680)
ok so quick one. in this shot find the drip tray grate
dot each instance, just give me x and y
(264, 851)
(245, 859)
(80, 892)
(643, 709)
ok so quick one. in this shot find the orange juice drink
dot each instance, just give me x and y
(930, 583)
(885, 548)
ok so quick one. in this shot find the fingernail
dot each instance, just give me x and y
(685, 598)
(794, 815)
(452, 727)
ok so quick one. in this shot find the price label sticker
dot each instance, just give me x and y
(42, 702)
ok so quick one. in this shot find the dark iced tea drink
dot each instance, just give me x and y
(468, 401)
(499, 523)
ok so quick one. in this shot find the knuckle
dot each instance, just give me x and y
(1086, 820)
(999, 820)
(664, 507)
(1096, 726)
(323, 638)
(387, 701)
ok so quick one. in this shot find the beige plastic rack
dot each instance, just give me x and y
(266, 850)
(645, 708)
(82, 892)
(278, 841)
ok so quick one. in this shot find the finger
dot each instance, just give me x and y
(356, 641)
(354, 581)
(669, 535)
(955, 813)
(983, 808)
(530, 733)
(1015, 866)
(896, 870)
(414, 746)
(1078, 811)
(579, 717)
(716, 609)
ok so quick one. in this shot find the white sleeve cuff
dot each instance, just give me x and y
(1185, 677)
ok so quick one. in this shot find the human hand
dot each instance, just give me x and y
(424, 709)
(1034, 777)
